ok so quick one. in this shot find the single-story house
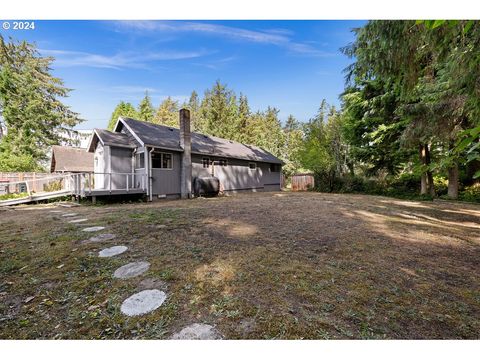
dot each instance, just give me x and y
(167, 160)
(70, 159)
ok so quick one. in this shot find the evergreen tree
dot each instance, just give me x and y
(167, 113)
(292, 146)
(242, 119)
(194, 106)
(122, 109)
(145, 109)
(218, 112)
(31, 106)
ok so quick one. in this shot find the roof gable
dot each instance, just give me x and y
(109, 138)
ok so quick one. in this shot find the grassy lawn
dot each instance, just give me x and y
(263, 266)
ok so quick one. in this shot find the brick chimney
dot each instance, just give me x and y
(186, 145)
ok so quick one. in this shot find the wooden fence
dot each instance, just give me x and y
(15, 177)
(302, 182)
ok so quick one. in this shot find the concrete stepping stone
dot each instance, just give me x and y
(69, 214)
(99, 238)
(76, 221)
(143, 302)
(93, 228)
(131, 270)
(112, 251)
(197, 332)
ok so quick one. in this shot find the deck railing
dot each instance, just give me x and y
(80, 184)
(36, 186)
(86, 184)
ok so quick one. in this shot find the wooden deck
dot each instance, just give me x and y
(106, 192)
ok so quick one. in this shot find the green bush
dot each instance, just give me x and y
(441, 185)
(13, 196)
(470, 193)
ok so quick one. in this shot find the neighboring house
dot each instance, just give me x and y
(172, 158)
(70, 159)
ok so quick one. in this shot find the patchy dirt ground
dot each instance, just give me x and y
(272, 265)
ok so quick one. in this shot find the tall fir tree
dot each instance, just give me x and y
(194, 106)
(122, 109)
(292, 146)
(145, 109)
(218, 111)
(167, 113)
(31, 106)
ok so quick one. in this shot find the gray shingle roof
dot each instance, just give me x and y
(71, 159)
(169, 138)
(114, 138)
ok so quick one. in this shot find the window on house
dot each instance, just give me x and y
(162, 160)
(167, 161)
(274, 168)
(206, 162)
(252, 166)
(222, 162)
(139, 161)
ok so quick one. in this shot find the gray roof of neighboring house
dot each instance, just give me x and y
(70, 159)
(169, 138)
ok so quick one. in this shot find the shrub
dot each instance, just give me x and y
(13, 196)
(470, 193)
(441, 185)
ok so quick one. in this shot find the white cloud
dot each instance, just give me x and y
(66, 58)
(217, 64)
(277, 37)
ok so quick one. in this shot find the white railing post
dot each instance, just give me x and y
(110, 182)
(90, 183)
(126, 176)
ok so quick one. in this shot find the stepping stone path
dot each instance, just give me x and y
(93, 228)
(131, 270)
(197, 332)
(99, 238)
(77, 221)
(112, 251)
(143, 302)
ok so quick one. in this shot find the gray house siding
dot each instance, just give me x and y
(167, 181)
(237, 175)
(120, 163)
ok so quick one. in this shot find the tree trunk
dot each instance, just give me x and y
(426, 184)
(431, 187)
(453, 181)
(423, 179)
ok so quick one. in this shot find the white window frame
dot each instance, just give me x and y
(140, 153)
(209, 162)
(161, 160)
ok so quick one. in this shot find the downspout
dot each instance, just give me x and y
(150, 185)
(134, 152)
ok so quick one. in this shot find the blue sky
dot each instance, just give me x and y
(291, 65)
